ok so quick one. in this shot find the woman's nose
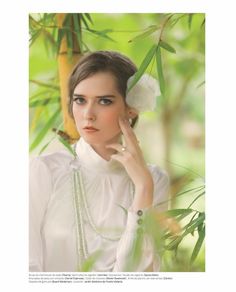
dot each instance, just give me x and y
(89, 113)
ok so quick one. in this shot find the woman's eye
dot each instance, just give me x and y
(105, 101)
(79, 100)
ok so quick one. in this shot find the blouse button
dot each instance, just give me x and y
(140, 212)
(140, 221)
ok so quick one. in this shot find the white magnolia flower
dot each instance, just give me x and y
(142, 96)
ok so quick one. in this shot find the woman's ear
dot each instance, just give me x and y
(131, 113)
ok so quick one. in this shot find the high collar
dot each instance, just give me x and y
(90, 159)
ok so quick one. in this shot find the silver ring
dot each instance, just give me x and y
(123, 149)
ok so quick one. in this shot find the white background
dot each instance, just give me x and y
(220, 142)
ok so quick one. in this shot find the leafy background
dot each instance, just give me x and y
(171, 47)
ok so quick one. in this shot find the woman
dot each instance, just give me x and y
(94, 203)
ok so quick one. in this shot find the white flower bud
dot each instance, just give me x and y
(142, 96)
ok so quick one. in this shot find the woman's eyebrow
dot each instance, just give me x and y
(98, 96)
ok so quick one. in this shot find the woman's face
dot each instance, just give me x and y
(97, 106)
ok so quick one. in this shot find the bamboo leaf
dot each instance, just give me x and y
(195, 224)
(181, 194)
(34, 36)
(47, 19)
(190, 18)
(103, 34)
(169, 234)
(174, 244)
(160, 71)
(69, 39)
(148, 32)
(43, 102)
(44, 84)
(37, 113)
(45, 146)
(34, 96)
(61, 33)
(87, 15)
(66, 21)
(184, 215)
(203, 22)
(176, 212)
(198, 245)
(67, 145)
(174, 21)
(42, 94)
(167, 47)
(146, 61)
(84, 21)
(54, 32)
(197, 189)
(201, 84)
(44, 131)
(78, 31)
(200, 226)
(68, 32)
(189, 229)
(191, 220)
(200, 195)
(87, 49)
(48, 37)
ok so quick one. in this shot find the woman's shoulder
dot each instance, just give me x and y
(61, 158)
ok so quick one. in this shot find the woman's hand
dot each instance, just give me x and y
(131, 157)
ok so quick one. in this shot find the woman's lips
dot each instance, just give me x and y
(90, 129)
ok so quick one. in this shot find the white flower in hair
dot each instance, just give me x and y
(142, 96)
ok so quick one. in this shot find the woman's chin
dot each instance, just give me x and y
(90, 140)
(101, 140)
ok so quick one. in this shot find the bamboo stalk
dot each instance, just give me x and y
(65, 66)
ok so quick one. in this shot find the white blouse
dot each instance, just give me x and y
(110, 228)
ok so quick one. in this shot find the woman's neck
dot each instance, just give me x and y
(104, 152)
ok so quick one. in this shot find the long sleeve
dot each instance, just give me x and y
(40, 187)
(149, 261)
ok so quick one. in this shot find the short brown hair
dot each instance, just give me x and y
(102, 61)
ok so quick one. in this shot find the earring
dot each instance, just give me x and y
(130, 120)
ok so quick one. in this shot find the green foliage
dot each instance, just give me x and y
(146, 61)
(89, 263)
(168, 230)
(160, 71)
(45, 129)
(77, 25)
(147, 32)
(189, 221)
(167, 47)
(67, 145)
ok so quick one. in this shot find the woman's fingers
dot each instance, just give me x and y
(118, 147)
(131, 150)
(129, 136)
(119, 158)
(123, 154)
